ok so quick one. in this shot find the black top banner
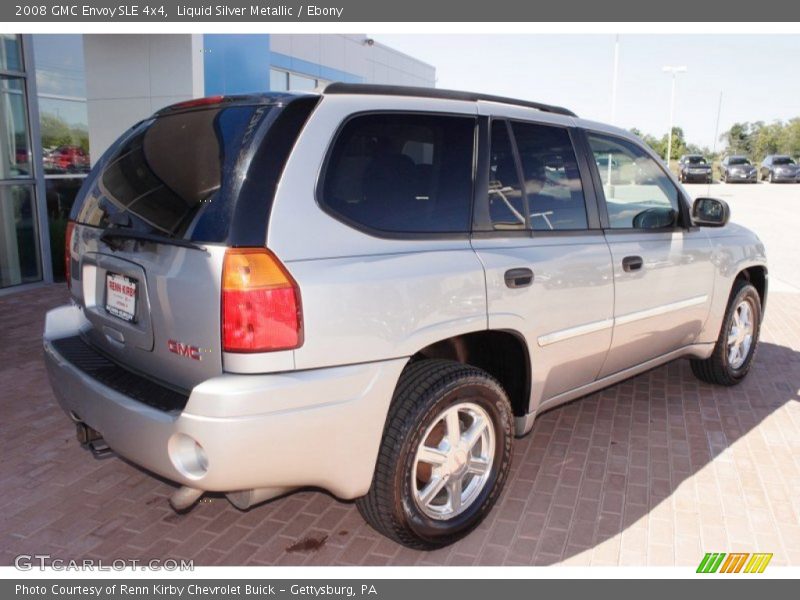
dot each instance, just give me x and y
(398, 11)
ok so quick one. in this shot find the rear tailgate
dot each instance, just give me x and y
(168, 325)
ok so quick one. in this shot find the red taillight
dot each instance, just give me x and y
(196, 102)
(260, 303)
(68, 253)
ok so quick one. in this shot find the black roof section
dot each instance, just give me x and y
(422, 92)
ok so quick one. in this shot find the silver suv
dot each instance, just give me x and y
(372, 290)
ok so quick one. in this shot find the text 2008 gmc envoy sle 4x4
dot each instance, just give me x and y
(373, 289)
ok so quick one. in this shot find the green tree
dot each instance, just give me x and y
(766, 139)
(57, 132)
(738, 139)
(678, 143)
(789, 139)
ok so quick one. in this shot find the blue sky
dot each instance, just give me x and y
(759, 75)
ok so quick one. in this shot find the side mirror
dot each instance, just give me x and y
(655, 218)
(710, 212)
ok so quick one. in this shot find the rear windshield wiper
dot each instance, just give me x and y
(113, 233)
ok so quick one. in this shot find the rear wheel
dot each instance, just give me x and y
(445, 455)
(738, 338)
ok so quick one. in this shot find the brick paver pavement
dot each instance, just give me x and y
(656, 471)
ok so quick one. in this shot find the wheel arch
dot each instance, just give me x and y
(758, 276)
(501, 353)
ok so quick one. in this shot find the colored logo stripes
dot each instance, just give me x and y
(734, 562)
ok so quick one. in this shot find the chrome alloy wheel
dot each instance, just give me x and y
(740, 334)
(453, 461)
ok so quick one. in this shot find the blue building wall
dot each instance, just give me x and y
(238, 64)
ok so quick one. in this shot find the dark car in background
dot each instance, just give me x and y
(780, 168)
(694, 167)
(738, 169)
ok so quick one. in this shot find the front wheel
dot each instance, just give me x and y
(445, 455)
(738, 338)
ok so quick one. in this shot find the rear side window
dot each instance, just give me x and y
(507, 203)
(170, 175)
(551, 195)
(552, 181)
(402, 173)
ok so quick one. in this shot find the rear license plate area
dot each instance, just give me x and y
(121, 294)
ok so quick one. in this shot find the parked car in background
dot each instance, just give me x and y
(373, 289)
(694, 167)
(67, 159)
(738, 169)
(779, 168)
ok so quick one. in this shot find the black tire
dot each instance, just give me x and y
(716, 369)
(770, 178)
(425, 390)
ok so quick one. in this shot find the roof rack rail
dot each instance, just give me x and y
(423, 92)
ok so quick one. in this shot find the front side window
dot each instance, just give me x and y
(402, 173)
(638, 193)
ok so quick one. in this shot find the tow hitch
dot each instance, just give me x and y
(92, 440)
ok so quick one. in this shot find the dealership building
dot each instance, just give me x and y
(66, 98)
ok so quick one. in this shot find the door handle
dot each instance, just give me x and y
(517, 278)
(632, 263)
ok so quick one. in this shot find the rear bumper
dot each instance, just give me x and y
(318, 427)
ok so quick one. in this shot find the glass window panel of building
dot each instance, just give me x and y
(15, 156)
(60, 70)
(10, 52)
(20, 261)
(64, 129)
(285, 81)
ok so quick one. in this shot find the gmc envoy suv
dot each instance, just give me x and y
(373, 289)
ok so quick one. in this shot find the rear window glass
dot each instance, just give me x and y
(404, 173)
(169, 174)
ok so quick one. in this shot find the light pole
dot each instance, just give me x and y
(674, 71)
(614, 82)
